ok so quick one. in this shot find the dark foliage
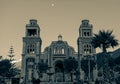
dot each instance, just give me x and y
(8, 69)
(42, 67)
(70, 64)
(35, 81)
(104, 39)
(85, 67)
(117, 60)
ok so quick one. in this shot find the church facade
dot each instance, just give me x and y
(55, 54)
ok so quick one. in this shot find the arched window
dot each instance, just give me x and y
(56, 50)
(31, 49)
(28, 47)
(63, 51)
(30, 59)
(87, 49)
(88, 33)
(31, 32)
(84, 33)
(59, 50)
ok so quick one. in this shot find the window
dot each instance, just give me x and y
(56, 51)
(88, 34)
(63, 51)
(84, 23)
(32, 32)
(31, 49)
(87, 49)
(30, 60)
(59, 50)
(84, 33)
(33, 23)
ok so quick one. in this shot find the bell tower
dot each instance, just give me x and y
(31, 51)
(85, 48)
(84, 39)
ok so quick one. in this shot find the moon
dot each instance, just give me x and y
(53, 4)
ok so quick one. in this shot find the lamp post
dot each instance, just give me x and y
(89, 68)
(89, 72)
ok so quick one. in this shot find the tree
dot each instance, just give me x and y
(117, 61)
(117, 64)
(104, 39)
(1, 58)
(35, 81)
(99, 60)
(111, 63)
(8, 69)
(42, 68)
(118, 80)
(70, 66)
(85, 66)
(11, 55)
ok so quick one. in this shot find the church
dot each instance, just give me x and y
(55, 54)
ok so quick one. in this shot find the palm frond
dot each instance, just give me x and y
(104, 39)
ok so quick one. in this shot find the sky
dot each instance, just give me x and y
(54, 17)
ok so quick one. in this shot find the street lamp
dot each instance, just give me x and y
(89, 59)
(89, 68)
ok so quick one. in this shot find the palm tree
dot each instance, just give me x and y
(70, 66)
(104, 39)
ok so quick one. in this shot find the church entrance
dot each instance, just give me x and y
(59, 71)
